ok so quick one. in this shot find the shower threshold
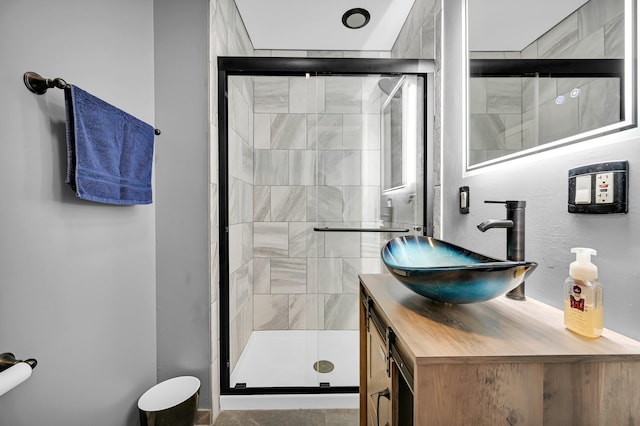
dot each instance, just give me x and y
(286, 358)
(290, 402)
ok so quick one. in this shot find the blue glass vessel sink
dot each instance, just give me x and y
(447, 273)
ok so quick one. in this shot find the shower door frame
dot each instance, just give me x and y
(294, 66)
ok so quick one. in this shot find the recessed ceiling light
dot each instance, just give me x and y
(356, 18)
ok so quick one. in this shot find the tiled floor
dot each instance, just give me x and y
(288, 418)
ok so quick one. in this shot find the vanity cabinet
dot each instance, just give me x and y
(500, 362)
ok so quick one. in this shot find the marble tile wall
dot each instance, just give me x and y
(241, 226)
(228, 37)
(316, 162)
(506, 117)
(417, 37)
(420, 37)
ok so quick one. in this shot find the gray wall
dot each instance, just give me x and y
(182, 212)
(541, 180)
(77, 279)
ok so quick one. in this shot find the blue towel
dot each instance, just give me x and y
(109, 152)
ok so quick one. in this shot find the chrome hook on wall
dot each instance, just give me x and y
(39, 85)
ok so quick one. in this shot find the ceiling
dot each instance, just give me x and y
(497, 25)
(317, 25)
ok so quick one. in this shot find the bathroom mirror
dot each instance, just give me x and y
(546, 73)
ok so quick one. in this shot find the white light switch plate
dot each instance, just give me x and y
(583, 189)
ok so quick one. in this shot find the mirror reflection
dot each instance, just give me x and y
(402, 152)
(544, 73)
(392, 143)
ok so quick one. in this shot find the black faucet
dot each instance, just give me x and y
(514, 223)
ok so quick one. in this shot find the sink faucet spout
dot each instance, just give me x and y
(495, 223)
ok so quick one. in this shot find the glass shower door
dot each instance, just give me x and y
(275, 310)
(306, 214)
(363, 126)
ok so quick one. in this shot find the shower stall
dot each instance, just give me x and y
(321, 162)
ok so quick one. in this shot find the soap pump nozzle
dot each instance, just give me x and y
(582, 268)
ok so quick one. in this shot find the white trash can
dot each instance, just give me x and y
(173, 402)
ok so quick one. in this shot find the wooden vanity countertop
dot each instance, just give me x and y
(529, 331)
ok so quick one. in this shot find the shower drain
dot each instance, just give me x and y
(323, 366)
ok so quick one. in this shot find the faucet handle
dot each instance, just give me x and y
(509, 204)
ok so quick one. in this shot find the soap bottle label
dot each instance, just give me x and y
(583, 309)
(577, 302)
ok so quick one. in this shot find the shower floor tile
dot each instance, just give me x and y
(277, 358)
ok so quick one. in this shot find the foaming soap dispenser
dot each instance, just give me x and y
(583, 311)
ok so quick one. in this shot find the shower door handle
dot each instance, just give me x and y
(327, 229)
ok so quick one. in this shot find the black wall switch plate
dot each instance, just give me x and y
(599, 188)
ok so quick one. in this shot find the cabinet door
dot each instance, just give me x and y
(402, 398)
(379, 389)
